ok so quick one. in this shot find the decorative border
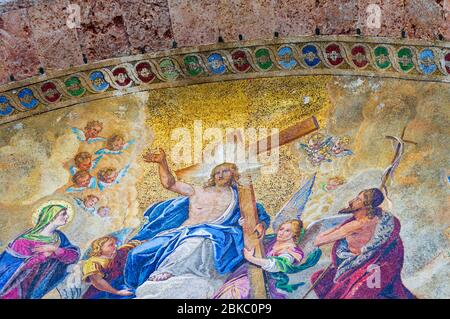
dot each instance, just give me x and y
(321, 55)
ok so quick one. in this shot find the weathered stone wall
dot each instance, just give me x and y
(34, 33)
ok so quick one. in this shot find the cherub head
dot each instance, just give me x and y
(107, 175)
(115, 142)
(90, 201)
(339, 145)
(103, 211)
(83, 161)
(105, 246)
(315, 140)
(92, 129)
(334, 182)
(225, 174)
(81, 178)
(290, 231)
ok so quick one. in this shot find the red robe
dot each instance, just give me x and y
(355, 280)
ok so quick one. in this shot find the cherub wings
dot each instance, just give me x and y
(124, 148)
(81, 137)
(293, 209)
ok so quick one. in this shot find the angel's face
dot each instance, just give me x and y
(85, 164)
(110, 177)
(109, 248)
(285, 233)
(93, 131)
(90, 202)
(118, 144)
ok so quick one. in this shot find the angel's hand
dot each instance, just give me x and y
(249, 253)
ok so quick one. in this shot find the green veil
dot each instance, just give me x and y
(46, 216)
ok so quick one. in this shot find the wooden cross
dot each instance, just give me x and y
(247, 198)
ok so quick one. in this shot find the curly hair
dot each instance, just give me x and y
(104, 172)
(80, 157)
(296, 227)
(112, 139)
(78, 175)
(231, 166)
(92, 124)
(96, 246)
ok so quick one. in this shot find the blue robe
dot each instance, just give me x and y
(226, 237)
(50, 273)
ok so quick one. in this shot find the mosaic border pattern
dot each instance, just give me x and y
(371, 57)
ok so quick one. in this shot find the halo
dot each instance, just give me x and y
(68, 205)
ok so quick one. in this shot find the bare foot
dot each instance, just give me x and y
(160, 277)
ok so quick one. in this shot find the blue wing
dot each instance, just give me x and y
(96, 161)
(101, 185)
(79, 202)
(293, 209)
(344, 153)
(79, 133)
(128, 144)
(73, 170)
(107, 151)
(93, 183)
(327, 142)
(96, 139)
(122, 174)
(75, 189)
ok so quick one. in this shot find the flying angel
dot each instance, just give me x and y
(74, 286)
(108, 177)
(115, 145)
(90, 132)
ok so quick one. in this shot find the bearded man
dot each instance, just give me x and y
(192, 241)
(367, 255)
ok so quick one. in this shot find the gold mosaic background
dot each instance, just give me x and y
(35, 154)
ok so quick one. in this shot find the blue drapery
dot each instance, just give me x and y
(50, 274)
(227, 238)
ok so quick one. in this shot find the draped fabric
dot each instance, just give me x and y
(163, 235)
(352, 276)
(28, 275)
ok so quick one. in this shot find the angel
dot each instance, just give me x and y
(338, 149)
(82, 180)
(284, 255)
(88, 203)
(90, 132)
(83, 162)
(109, 176)
(99, 273)
(103, 211)
(332, 183)
(317, 148)
(115, 145)
(104, 269)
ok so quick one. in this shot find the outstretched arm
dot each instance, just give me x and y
(336, 233)
(168, 181)
(102, 285)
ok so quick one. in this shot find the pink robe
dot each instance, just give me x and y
(36, 273)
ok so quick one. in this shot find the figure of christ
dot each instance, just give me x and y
(193, 241)
(365, 246)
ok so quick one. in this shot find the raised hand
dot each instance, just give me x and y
(153, 157)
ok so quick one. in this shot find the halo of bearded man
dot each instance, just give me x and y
(234, 171)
